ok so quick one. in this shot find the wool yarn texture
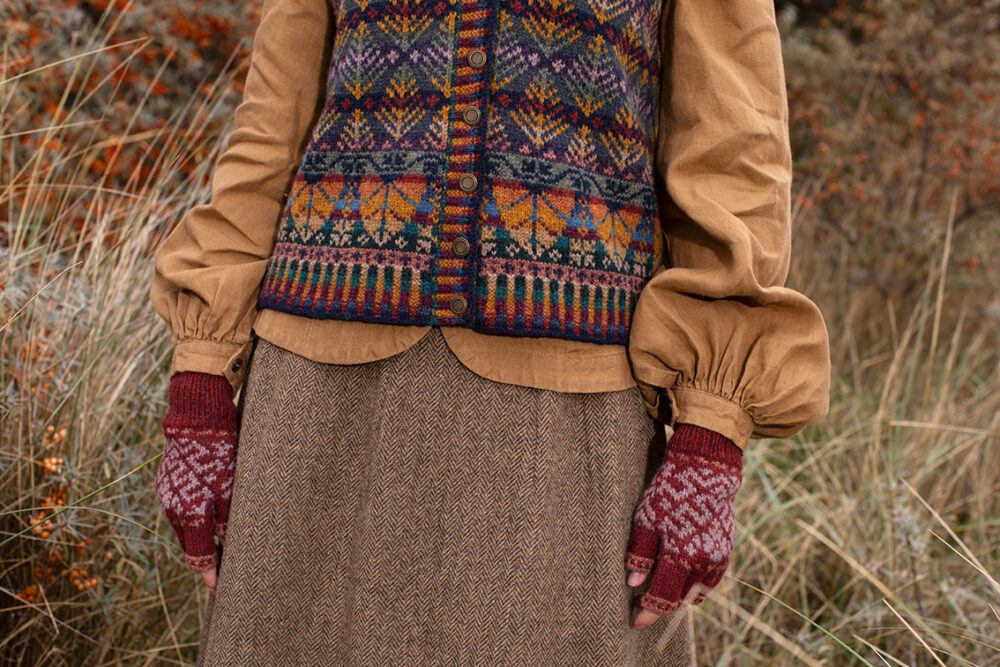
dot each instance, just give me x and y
(683, 528)
(408, 207)
(194, 480)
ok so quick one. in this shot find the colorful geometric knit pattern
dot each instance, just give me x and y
(524, 130)
(684, 523)
(194, 480)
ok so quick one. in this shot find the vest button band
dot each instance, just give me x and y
(461, 246)
(458, 305)
(468, 182)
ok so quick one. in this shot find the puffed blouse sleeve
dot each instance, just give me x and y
(715, 331)
(209, 268)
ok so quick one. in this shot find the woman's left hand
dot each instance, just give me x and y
(684, 527)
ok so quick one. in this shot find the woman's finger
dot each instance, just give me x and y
(210, 577)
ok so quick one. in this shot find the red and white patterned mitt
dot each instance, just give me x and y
(194, 480)
(684, 523)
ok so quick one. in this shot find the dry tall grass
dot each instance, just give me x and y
(870, 537)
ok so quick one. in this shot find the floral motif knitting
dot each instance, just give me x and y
(557, 125)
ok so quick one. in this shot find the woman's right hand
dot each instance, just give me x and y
(194, 480)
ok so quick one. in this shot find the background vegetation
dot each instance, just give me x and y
(872, 537)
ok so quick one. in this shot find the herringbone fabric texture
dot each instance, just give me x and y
(407, 511)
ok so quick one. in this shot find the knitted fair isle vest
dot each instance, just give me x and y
(480, 163)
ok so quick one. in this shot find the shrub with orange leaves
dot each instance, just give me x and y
(52, 436)
(128, 86)
(52, 464)
(888, 130)
(29, 593)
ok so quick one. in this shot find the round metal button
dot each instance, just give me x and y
(458, 305)
(471, 115)
(461, 246)
(477, 57)
(468, 182)
(237, 365)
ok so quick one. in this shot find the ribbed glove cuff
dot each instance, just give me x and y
(694, 439)
(200, 401)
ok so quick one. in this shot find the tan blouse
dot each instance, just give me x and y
(714, 331)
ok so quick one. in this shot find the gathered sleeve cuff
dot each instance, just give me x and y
(209, 268)
(717, 339)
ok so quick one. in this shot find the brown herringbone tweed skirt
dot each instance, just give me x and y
(407, 511)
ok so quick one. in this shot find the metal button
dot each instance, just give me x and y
(461, 246)
(468, 182)
(237, 365)
(477, 57)
(471, 115)
(458, 305)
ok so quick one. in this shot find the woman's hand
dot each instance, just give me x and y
(210, 577)
(684, 523)
(195, 476)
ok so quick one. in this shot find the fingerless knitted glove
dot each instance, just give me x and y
(195, 476)
(684, 522)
